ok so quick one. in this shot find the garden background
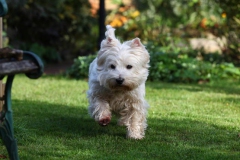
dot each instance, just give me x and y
(189, 41)
(193, 86)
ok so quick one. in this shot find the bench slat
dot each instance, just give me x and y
(11, 53)
(24, 66)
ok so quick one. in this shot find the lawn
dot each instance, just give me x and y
(185, 122)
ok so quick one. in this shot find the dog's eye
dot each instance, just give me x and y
(129, 66)
(112, 66)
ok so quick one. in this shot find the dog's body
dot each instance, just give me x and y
(117, 84)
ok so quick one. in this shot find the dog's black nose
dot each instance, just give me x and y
(119, 80)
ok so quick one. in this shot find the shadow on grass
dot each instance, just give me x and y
(165, 138)
(56, 119)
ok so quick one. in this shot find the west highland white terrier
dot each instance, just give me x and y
(117, 84)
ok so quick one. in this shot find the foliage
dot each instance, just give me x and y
(70, 22)
(196, 122)
(151, 19)
(157, 20)
(187, 66)
(169, 24)
(181, 68)
(173, 65)
(80, 67)
(232, 29)
(46, 53)
(69, 27)
(65, 25)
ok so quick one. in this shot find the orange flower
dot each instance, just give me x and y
(116, 23)
(123, 19)
(224, 15)
(203, 23)
(122, 9)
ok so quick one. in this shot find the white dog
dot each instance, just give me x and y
(117, 84)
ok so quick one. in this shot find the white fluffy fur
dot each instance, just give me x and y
(126, 99)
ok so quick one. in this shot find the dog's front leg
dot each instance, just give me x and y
(100, 111)
(137, 124)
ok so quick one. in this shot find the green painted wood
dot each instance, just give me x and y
(6, 118)
(6, 128)
(3, 8)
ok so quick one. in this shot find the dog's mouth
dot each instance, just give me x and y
(121, 87)
(116, 86)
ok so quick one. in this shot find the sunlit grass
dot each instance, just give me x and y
(184, 122)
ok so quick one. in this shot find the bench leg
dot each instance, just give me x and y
(6, 126)
(2, 89)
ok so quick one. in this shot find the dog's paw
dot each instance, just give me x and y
(137, 137)
(104, 121)
(135, 134)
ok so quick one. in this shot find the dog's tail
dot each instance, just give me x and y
(110, 32)
(109, 26)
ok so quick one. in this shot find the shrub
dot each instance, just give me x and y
(186, 66)
(47, 54)
(178, 68)
(59, 24)
(171, 65)
(80, 67)
(158, 20)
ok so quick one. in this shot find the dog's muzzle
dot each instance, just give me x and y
(120, 81)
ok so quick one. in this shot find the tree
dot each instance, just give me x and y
(61, 26)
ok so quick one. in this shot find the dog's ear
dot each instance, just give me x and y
(138, 49)
(136, 43)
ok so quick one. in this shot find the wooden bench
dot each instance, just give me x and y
(12, 62)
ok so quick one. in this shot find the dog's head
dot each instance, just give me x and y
(122, 66)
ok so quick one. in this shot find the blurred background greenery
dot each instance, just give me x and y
(189, 40)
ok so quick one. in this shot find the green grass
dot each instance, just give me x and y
(185, 122)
